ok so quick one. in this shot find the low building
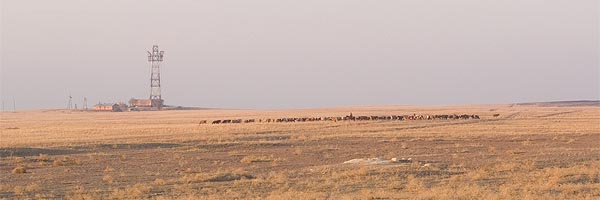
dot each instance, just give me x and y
(113, 107)
(120, 107)
(140, 102)
(103, 107)
(145, 104)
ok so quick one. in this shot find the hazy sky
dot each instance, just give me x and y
(272, 54)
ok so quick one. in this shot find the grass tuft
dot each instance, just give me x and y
(19, 170)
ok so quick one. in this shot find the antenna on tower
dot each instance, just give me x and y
(155, 58)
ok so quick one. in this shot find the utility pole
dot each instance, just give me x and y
(70, 105)
(85, 107)
(155, 58)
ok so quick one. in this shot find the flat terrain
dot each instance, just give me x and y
(527, 152)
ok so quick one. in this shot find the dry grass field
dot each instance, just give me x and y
(528, 152)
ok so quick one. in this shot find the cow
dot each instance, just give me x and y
(216, 122)
(496, 115)
(202, 122)
(350, 117)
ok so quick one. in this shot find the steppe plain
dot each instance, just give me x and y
(529, 151)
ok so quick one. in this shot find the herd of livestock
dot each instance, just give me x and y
(346, 118)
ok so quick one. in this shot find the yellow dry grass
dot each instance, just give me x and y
(528, 152)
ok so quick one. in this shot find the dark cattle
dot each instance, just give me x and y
(496, 115)
(362, 118)
(350, 117)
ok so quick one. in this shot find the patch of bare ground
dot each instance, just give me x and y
(527, 152)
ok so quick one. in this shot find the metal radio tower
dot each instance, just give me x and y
(85, 107)
(155, 58)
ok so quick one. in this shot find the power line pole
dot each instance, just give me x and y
(70, 105)
(85, 107)
(155, 58)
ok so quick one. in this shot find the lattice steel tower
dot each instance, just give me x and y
(155, 58)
